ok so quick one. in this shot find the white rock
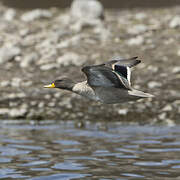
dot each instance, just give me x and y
(135, 41)
(154, 84)
(28, 60)
(175, 22)
(170, 122)
(16, 82)
(138, 29)
(69, 42)
(140, 16)
(71, 59)
(36, 14)
(41, 105)
(16, 95)
(10, 14)
(91, 9)
(123, 111)
(162, 116)
(8, 53)
(176, 69)
(17, 112)
(167, 108)
(47, 67)
(4, 111)
(5, 83)
(178, 52)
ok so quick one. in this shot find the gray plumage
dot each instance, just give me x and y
(108, 83)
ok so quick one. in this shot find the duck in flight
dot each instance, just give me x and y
(108, 83)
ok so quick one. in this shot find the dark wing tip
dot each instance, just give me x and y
(136, 62)
(85, 68)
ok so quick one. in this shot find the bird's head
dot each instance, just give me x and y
(61, 83)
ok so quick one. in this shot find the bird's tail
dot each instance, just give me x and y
(140, 94)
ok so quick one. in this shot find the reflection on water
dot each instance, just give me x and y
(63, 151)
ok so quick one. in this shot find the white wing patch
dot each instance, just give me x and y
(129, 75)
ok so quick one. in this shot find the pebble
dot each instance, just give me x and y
(170, 122)
(71, 58)
(162, 116)
(69, 42)
(4, 111)
(41, 105)
(167, 108)
(135, 41)
(137, 29)
(5, 83)
(176, 69)
(140, 16)
(29, 60)
(154, 84)
(10, 14)
(18, 112)
(47, 67)
(16, 95)
(15, 112)
(16, 82)
(178, 52)
(122, 111)
(36, 14)
(89, 9)
(8, 53)
(175, 22)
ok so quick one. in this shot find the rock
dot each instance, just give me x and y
(169, 122)
(154, 84)
(84, 23)
(16, 95)
(122, 111)
(4, 111)
(69, 42)
(26, 83)
(8, 53)
(41, 105)
(36, 14)
(71, 58)
(175, 22)
(178, 52)
(176, 69)
(47, 67)
(15, 112)
(16, 82)
(135, 41)
(89, 9)
(167, 108)
(138, 29)
(10, 14)
(29, 60)
(5, 83)
(162, 116)
(140, 16)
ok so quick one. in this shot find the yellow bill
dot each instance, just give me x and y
(50, 86)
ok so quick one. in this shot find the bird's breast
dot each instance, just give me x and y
(85, 90)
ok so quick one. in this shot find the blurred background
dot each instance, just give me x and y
(54, 134)
(42, 40)
(107, 4)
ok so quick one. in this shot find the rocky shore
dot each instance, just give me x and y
(37, 46)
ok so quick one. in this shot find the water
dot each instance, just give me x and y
(96, 151)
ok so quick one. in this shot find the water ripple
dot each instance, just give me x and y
(45, 152)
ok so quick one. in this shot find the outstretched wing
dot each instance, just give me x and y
(114, 73)
(122, 66)
(102, 76)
